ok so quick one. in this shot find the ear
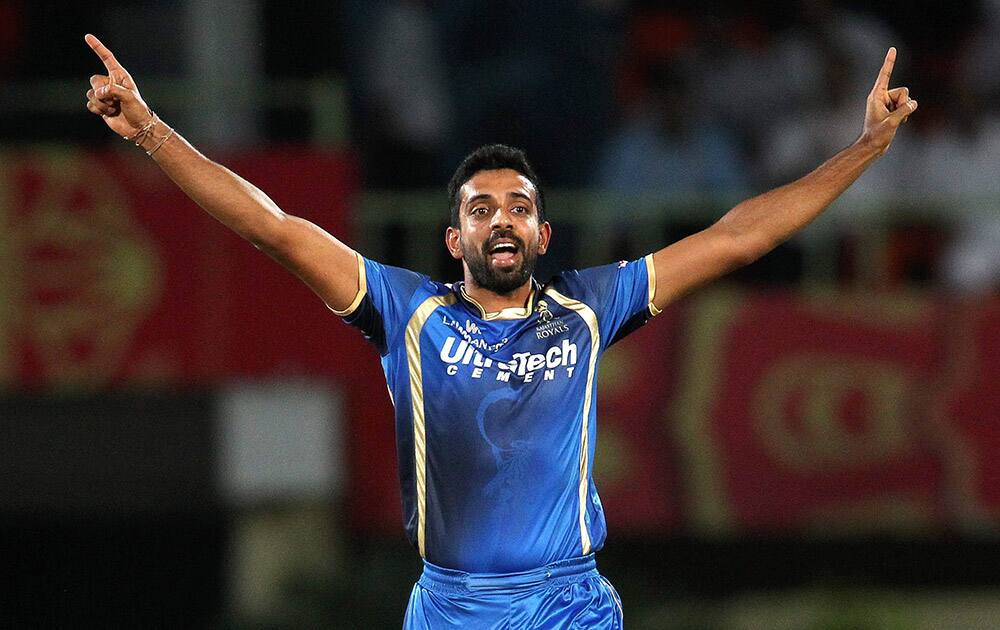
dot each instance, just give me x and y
(452, 240)
(544, 237)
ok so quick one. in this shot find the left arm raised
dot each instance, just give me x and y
(758, 225)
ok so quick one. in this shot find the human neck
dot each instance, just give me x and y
(494, 302)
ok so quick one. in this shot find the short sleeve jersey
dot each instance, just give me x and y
(495, 412)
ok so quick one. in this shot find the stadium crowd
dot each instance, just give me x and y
(701, 97)
(705, 98)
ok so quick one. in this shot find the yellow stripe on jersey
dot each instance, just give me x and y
(412, 338)
(651, 276)
(362, 289)
(588, 316)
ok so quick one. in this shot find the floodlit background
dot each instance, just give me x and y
(188, 438)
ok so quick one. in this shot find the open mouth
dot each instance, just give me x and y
(504, 251)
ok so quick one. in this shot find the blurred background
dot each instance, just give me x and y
(188, 438)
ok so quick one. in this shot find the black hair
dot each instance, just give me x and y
(488, 158)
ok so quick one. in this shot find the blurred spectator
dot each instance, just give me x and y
(537, 75)
(671, 144)
(823, 124)
(403, 85)
(828, 121)
(758, 68)
(740, 76)
(978, 65)
(831, 55)
(858, 39)
(653, 37)
(958, 168)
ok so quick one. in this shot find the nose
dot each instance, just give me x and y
(502, 219)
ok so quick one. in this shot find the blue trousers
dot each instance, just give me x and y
(566, 594)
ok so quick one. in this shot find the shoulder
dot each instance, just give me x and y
(404, 288)
(390, 273)
(581, 282)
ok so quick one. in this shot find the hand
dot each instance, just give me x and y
(887, 109)
(115, 96)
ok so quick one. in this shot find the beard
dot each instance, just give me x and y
(499, 280)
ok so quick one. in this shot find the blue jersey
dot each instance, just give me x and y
(495, 412)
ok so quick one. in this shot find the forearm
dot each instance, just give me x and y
(763, 222)
(332, 269)
(232, 200)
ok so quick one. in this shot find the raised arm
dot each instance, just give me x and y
(329, 267)
(758, 225)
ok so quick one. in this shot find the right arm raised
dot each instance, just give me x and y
(328, 266)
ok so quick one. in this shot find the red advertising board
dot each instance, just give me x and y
(634, 464)
(806, 413)
(113, 275)
(967, 400)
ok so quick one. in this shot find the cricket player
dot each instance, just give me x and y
(494, 377)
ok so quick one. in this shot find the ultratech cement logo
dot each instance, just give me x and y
(557, 359)
(550, 325)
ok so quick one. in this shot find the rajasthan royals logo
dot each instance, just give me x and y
(548, 324)
(544, 314)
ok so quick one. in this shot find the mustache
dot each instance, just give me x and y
(500, 234)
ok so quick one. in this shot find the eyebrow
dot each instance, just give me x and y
(479, 197)
(487, 196)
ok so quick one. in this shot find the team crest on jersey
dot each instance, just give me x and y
(549, 325)
(544, 314)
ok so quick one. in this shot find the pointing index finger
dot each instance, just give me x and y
(882, 82)
(102, 51)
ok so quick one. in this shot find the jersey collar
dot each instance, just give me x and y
(513, 312)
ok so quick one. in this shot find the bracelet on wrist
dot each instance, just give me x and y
(143, 131)
(148, 133)
(162, 142)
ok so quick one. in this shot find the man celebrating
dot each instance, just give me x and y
(494, 378)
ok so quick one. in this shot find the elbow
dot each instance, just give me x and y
(750, 248)
(743, 246)
(271, 234)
